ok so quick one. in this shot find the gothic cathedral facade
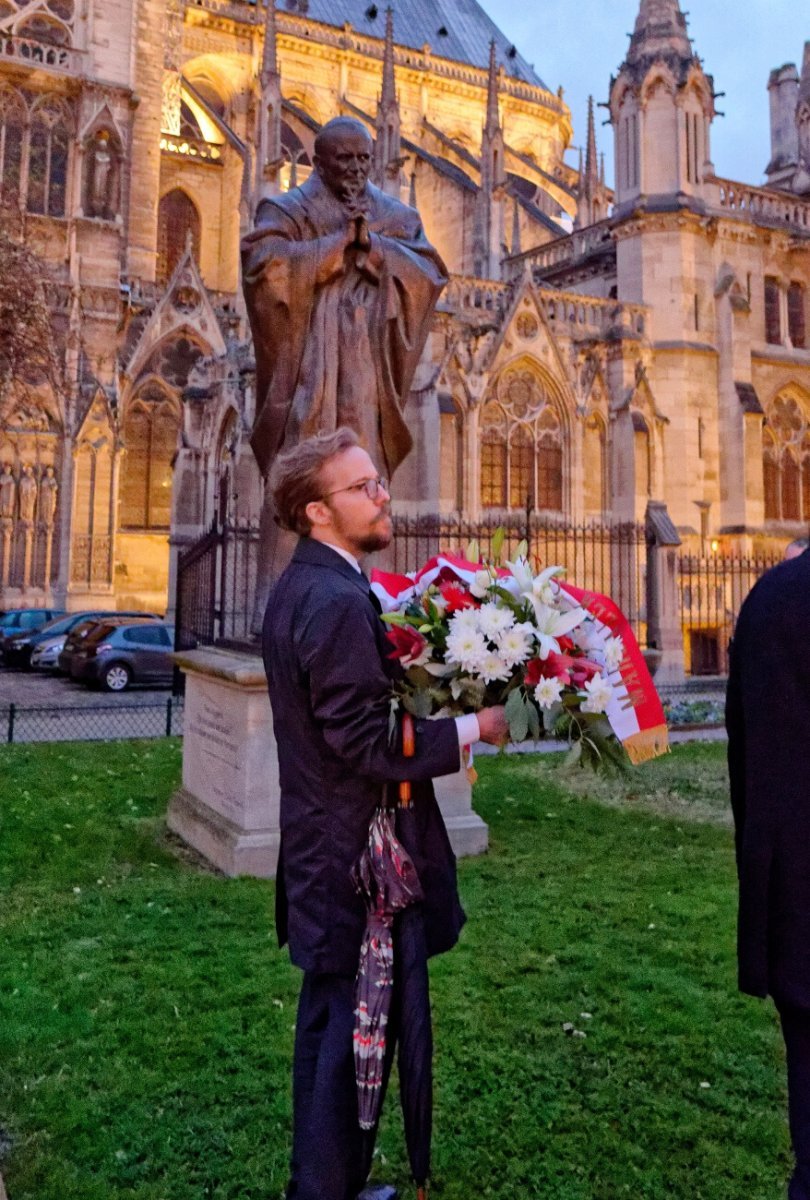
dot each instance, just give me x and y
(597, 347)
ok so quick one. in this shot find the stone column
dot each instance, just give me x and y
(664, 631)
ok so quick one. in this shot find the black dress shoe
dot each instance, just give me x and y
(378, 1191)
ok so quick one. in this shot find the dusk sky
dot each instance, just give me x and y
(580, 44)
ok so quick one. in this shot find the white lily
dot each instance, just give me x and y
(552, 625)
(542, 587)
(482, 581)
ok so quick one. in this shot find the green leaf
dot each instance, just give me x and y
(573, 756)
(394, 618)
(534, 720)
(498, 538)
(419, 703)
(517, 716)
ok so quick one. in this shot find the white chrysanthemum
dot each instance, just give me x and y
(482, 581)
(516, 644)
(493, 620)
(614, 653)
(467, 648)
(492, 667)
(548, 692)
(598, 695)
(464, 619)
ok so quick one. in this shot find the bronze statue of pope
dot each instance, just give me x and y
(340, 284)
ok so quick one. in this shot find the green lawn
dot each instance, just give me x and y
(146, 1014)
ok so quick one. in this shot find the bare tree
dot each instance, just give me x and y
(28, 357)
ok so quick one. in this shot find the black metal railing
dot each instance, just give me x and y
(216, 585)
(602, 557)
(712, 590)
(90, 723)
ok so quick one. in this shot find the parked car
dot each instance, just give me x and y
(116, 655)
(16, 620)
(81, 630)
(18, 645)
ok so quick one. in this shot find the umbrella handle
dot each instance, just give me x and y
(408, 749)
(421, 1193)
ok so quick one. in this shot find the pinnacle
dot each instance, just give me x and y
(804, 85)
(660, 27)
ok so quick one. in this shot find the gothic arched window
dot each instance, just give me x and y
(12, 139)
(786, 461)
(770, 476)
(177, 217)
(521, 445)
(150, 433)
(48, 152)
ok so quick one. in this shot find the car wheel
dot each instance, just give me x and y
(116, 677)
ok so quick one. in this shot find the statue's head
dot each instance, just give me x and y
(343, 156)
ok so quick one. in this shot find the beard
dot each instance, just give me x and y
(377, 539)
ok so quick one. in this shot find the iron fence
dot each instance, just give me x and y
(606, 558)
(711, 593)
(216, 585)
(91, 723)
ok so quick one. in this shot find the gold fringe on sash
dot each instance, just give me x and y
(647, 744)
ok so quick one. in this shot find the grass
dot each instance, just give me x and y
(146, 1013)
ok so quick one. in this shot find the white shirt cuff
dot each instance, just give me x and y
(468, 729)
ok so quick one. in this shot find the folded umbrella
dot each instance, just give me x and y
(387, 879)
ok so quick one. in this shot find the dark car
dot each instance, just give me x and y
(19, 620)
(81, 630)
(18, 645)
(116, 655)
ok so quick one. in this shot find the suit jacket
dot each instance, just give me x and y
(768, 722)
(325, 655)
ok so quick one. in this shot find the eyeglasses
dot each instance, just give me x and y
(372, 488)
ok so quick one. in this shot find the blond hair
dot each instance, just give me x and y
(295, 477)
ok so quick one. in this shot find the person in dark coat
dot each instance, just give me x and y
(768, 722)
(329, 678)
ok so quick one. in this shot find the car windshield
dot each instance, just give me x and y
(60, 624)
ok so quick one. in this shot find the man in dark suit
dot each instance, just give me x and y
(768, 722)
(329, 677)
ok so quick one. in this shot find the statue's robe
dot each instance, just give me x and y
(337, 332)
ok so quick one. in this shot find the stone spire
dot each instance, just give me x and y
(488, 242)
(493, 122)
(388, 144)
(591, 156)
(592, 199)
(172, 64)
(269, 156)
(270, 47)
(660, 30)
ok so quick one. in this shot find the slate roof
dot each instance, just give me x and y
(469, 30)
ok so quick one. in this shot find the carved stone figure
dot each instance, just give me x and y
(101, 198)
(48, 490)
(340, 284)
(8, 491)
(28, 493)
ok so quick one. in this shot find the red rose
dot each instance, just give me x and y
(409, 644)
(456, 597)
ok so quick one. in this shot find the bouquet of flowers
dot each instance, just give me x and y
(562, 660)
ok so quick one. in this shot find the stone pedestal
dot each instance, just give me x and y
(228, 805)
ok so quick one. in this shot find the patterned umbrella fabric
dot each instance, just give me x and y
(387, 879)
